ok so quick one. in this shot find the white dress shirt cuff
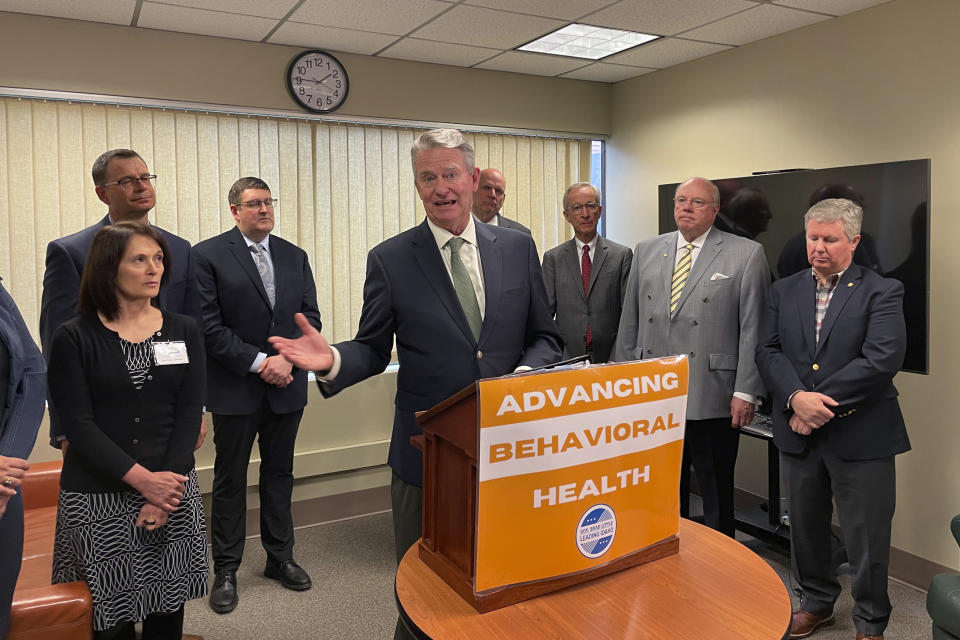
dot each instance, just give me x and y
(334, 368)
(255, 367)
(522, 368)
(746, 397)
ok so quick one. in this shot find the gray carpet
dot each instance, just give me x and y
(909, 620)
(352, 566)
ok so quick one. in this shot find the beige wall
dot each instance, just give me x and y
(875, 86)
(64, 55)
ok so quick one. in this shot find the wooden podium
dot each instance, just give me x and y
(450, 443)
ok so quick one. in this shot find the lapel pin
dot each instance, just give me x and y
(849, 284)
(664, 255)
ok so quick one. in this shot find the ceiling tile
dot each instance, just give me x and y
(347, 40)
(762, 22)
(154, 15)
(261, 8)
(603, 72)
(665, 17)
(458, 55)
(396, 16)
(832, 7)
(562, 9)
(533, 63)
(666, 52)
(486, 27)
(109, 11)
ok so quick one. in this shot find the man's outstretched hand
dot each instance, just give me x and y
(311, 351)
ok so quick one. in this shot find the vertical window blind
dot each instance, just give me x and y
(342, 188)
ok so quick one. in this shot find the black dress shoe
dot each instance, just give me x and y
(223, 596)
(289, 573)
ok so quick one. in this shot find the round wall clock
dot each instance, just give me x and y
(317, 81)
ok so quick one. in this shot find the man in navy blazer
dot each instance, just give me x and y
(833, 339)
(251, 284)
(125, 185)
(463, 300)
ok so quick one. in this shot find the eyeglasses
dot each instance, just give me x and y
(256, 204)
(130, 181)
(592, 207)
(696, 203)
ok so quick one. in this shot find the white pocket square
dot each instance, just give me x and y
(719, 276)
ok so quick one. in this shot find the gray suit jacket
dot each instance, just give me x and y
(717, 321)
(602, 305)
(507, 223)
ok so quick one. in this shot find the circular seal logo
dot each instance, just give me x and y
(595, 531)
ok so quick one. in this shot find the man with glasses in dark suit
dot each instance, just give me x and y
(251, 283)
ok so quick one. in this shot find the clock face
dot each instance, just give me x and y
(317, 81)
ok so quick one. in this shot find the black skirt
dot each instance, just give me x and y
(131, 572)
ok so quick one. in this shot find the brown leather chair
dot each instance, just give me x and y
(40, 610)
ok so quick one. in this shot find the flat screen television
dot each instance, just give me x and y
(769, 206)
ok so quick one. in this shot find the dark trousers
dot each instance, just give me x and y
(407, 501)
(233, 437)
(156, 626)
(865, 492)
(11, 553)
(711, 446)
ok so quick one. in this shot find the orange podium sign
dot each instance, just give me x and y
(577, 468)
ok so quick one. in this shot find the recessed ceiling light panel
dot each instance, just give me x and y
(586, 41)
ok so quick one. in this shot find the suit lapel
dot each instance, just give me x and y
(162, 295)
(669, 259)
(805, 301)
(435, 273)
(841, 294)
(281, 265)
(243, 255)
(491, 262)
(571, 262)
(599, 255)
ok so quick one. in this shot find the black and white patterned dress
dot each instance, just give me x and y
(131, 572)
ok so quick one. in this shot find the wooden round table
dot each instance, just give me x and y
(714, 588)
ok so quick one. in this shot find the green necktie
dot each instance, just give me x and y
(680, 273)
(464, 287)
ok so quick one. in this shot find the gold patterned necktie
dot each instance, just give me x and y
(680, 273)
(464, 287)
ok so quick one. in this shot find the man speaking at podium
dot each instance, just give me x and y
(464, 301)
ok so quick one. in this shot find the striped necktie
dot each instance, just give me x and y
(680, 273)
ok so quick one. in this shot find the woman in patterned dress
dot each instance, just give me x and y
(127, 381)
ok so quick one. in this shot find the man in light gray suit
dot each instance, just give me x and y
(488, 200)
(701, 292)
(586, 279)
